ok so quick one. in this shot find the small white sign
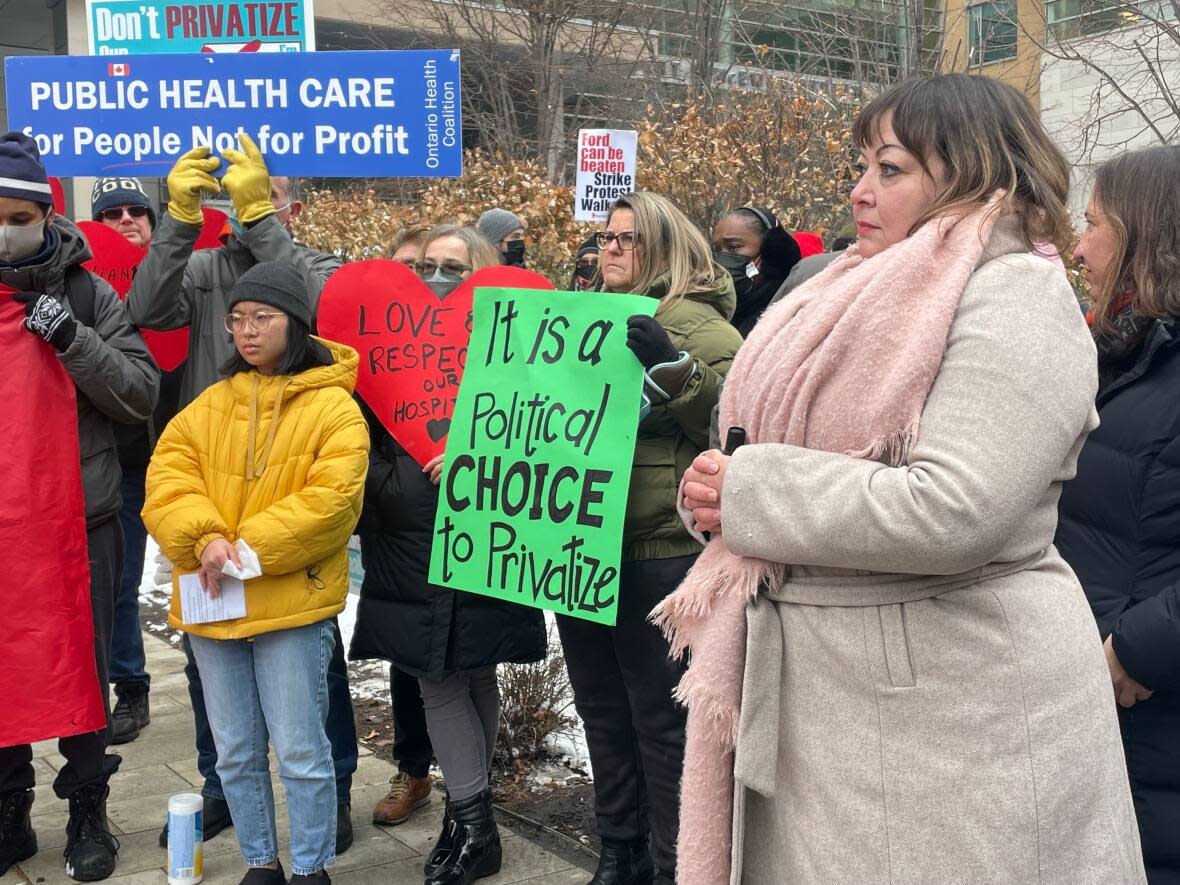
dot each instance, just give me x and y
(606, 170)
(198, 607)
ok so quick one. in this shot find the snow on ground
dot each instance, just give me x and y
(367, 679)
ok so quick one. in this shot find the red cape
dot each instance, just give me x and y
(48, 682)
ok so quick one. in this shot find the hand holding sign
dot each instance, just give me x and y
(191, 177)
(115, 260)
(413, 346)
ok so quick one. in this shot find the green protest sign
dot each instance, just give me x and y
(534, 486)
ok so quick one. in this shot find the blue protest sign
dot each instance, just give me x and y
(332, 114)
(135, 27)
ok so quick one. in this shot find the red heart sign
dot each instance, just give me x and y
(59, 195)
(211, 230)
(413, 346)
(115, 260)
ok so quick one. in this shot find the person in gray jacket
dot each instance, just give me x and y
(82, 319)
(802, 272)
(176, 287)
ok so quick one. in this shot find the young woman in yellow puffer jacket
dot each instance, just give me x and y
(271, 460)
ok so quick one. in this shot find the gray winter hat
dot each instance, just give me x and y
(496, 224)
(276, 283)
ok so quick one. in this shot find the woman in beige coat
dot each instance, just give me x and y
(924, 697)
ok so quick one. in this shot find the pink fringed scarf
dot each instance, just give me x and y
(843, 365)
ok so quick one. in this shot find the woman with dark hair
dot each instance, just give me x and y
(894, 675)
(1120, 517)
(267, 468)
(758, 253)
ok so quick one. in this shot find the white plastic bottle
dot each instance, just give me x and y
(185, 835)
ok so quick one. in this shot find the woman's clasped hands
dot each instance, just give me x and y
(213, 559)
(702, 486)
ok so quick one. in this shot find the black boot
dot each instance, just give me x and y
(624, 863)
(131, 713)
(343, 828)
(446, 841)
(17, 840)
(265, 876)
(91, 850)
(475, 852)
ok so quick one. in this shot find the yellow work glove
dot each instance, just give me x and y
(247, 181)
(189, 178)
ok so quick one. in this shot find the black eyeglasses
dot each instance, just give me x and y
(626, 240)
(116, 213)
(427, 268)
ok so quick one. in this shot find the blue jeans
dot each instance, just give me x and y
(127, 659)
(275, 686)
(341, 726)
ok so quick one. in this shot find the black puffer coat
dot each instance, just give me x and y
(1120, 531)
(421, 628)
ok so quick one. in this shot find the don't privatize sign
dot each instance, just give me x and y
(605, 171)
(330, 114)
(533, 492)
(138, 27)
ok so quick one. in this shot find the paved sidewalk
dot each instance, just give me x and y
(162, 762)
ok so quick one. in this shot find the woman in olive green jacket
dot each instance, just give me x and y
(622, 676)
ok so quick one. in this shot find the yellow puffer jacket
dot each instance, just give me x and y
(280, 462)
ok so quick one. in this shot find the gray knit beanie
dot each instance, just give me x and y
(496, 224)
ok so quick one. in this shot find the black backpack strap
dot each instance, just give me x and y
(81, 294)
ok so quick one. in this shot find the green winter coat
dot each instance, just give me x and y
(677, 430)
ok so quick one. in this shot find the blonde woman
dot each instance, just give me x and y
(622, 676)
(449, 640)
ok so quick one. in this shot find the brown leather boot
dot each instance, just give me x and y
(405, 794)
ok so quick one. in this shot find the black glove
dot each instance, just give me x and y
(649, 342)
(48, 317)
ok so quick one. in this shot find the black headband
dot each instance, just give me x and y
(769, 222)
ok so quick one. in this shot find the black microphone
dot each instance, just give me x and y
(735, 437)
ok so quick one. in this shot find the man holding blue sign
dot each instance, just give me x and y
(176, 287)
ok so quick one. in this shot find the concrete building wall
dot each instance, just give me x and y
(1089, 119)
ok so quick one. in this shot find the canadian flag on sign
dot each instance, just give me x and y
(118, 70)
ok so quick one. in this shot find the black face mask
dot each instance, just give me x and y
(583, 277)
(739, 267)
(514, 253)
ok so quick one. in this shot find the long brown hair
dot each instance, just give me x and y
(670, 244)
(1139, 193)
(989, 139)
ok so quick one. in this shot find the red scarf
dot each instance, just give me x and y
(49, 682)
(1116, 307)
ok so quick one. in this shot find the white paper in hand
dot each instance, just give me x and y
(251, 568)
(197, 607)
